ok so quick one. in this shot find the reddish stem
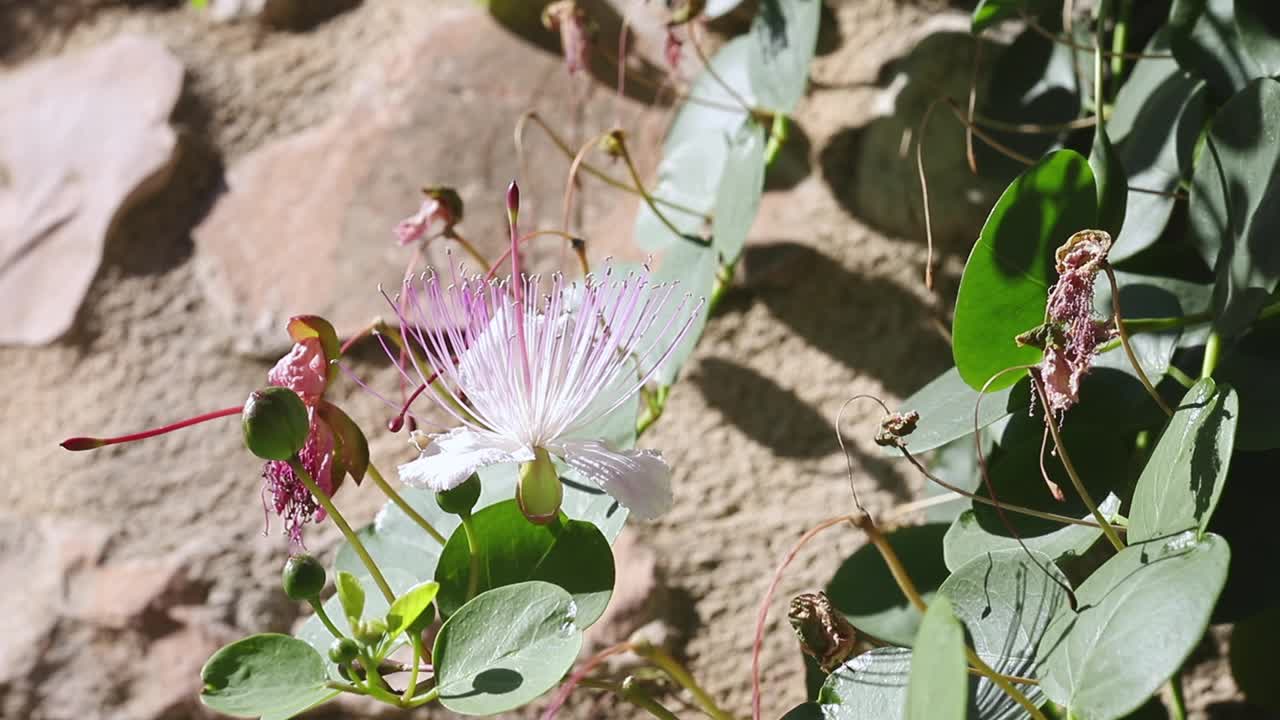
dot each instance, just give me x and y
(88, 443)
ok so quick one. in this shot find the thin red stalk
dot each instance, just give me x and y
(763, 615)
(86, 443)
(572, 682)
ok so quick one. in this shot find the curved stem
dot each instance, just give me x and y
(591, 169)
(578, 248)
(1032, 512)
(648, 199)
(1107, 530)
(412, 687)
(711, 72)
(1124, 341)
(429, 696)
(326, 502)
(778, 135)
(473, 551)
(636, 695)
(1043, 32)
(404, 505)
(452, 234)
(85, 443)
(677, 672)
(318, 607)
(1003, 683)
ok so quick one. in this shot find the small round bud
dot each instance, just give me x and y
(275, 423)
(460, 500)
(343, 650)
(370, 632)
(539, 492)
(303, 577)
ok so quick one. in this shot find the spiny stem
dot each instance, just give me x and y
(404, 505)
(677, 672)
(326, 502)
(1124, 341)
(87, 443)
(1107, 530)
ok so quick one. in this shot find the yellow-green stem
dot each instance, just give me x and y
(1212, 351)
(678, 673)
(326, 502)
(471, 250)
(634, 694)
(412, 687)
(404, 505)
(1124, 341)
(473, 550)
(1004, 684)
(648, 199)
(318, 607)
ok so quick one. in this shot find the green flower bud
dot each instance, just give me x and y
(343, 650)
(539, 492)
(275, 423)
(370, 632)
(460, 500)
(303, 578)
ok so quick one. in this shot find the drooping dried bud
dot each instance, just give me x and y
(895, 427)
(575, 29)
(825, 634)
(440, 211)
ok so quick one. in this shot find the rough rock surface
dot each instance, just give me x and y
(82, 138)
(305, 224)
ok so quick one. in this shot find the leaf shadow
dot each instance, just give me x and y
(769, 414)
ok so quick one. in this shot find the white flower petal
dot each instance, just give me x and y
(451, 458)
(639, 479)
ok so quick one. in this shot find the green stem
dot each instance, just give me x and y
(677, 672)
(1124, 341)
(648, 199)
(1003, 683)
(778, 135)
(634, 694)
(1120, 37)
(326, 502)
(412, 687)
(346, 687)
(1179, 709)
(473, 550)
(655, 403)
(1098, 96)
(1212, 352)
(324, 617)
(404, 505)
(427, 697)
(1183, 379)
(1107, 530)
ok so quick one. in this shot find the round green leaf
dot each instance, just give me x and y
(506, 647)
(1205, 42)
(938, 688)
(571, 554)
(268, 676)
(871, 686)
(865, 591)
(784, 36)
(1158, 115)
(1141, 614)
(1006, 280)
(1235, 204)
(1182, 481)
(1258, 25)
(967, 539)
(946, 406)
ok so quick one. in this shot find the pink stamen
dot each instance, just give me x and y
(88, 443)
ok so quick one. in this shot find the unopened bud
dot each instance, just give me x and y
(370, 632)
(539, 492)
(343, 650)
(303, 578)
(611, 144)
(275, 423)
(461, 499)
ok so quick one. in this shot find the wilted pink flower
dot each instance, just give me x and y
(575, 34)
(304, 370)
(1073, 333)
(432, 217)
(535, 378)
(289, 498)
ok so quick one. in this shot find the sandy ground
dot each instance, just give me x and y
(830, 304)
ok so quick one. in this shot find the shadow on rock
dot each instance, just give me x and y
(872, 171)
(769, 414)
(870, 324)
